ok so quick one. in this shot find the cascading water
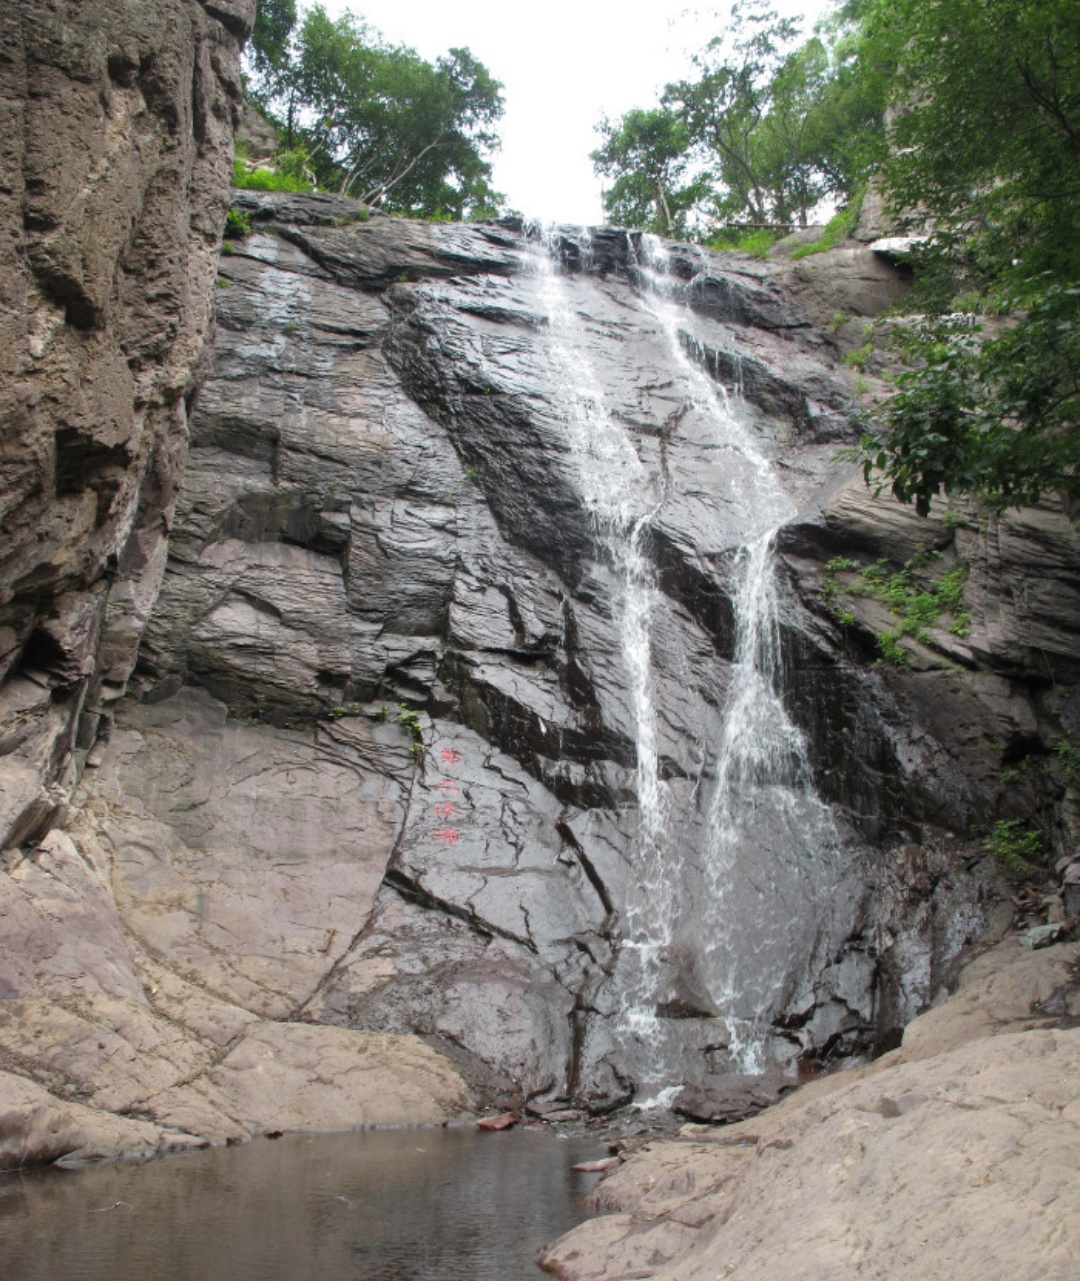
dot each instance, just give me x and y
(774, 852)
(733, 869)
(621, 497)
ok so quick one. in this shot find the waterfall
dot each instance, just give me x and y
(732, 881)
(773, 850)
(621, 496)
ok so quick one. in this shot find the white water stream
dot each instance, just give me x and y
(621, 496)
(765, 827)
(773, 845)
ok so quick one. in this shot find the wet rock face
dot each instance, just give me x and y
(388, 514)
(453, 720)
(116, 127)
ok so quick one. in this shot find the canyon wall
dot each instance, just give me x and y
(430, 745)
(511, 725)
(116, 133)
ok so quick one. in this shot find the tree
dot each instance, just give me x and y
(380, 123)
(986, 154)
(724, 110)
(647, 153)
(764, 129)
(274, 23)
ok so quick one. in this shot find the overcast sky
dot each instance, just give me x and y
(563, 64)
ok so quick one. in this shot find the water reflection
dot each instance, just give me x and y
(417, 1205)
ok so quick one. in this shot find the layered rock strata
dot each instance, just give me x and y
(116, 131)
(381, 773)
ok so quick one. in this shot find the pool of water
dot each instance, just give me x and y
(413, 1205)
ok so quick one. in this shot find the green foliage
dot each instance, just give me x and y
(917, 606)
(997, 417)
(409, 720)
(859, 357)
(890, 649)
(237, 224)
(266, 179)
(764, 113)
(949, 589)
(380, 123)
(764, 128)
(345, 709)
(758, 243)
(1015, 847)
(838, 228)
(986, 143)
(1066, 752)
(647, 153)
(274, 23)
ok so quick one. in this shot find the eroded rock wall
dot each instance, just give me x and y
(116, 130)
(116, 138)
(383, 520)
(380, 774)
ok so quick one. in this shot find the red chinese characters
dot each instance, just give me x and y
(446, 809)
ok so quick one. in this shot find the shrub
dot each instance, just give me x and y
(1014, 846)
(237, 224)
(916, 607)
(838, 228)
(757, 242)
(267, 179)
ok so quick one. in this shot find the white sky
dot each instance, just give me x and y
(563, 65)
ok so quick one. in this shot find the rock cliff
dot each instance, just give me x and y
(116, 132)
(510, 725)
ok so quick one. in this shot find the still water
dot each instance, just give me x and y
(415, 1205)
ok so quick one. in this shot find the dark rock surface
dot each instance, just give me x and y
(384, 510)
(116, 130)
(431, 733)
(732, 1096)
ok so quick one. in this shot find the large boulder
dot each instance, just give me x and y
(955, 1155)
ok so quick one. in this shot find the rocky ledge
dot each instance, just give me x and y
(955, 1155)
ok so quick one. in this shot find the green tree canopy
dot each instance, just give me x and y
(380, 123)
(647, 153)
(986, 160)
(274, 22)
(763, 130)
